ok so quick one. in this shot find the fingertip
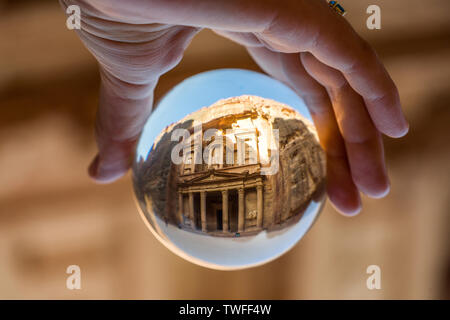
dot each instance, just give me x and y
(102, 172)
(375, 186)
(106, 179)
(346, 201)
(404, 131)
(348, 209)
(392, 122)
(405, 128)
(398, 132)
(381, 191)
(348, 213)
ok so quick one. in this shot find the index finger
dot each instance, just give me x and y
(337, 45)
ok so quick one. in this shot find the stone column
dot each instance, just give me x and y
(225, 210)
(241, 211)
(203, 209)
(259, 206)
(191, 208)
(180, 207)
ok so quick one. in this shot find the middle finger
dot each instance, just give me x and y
(362, 140)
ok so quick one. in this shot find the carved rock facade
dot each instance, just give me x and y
(264, 172)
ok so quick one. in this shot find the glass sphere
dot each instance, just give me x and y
(228, 172)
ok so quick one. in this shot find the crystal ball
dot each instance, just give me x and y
(228, 172)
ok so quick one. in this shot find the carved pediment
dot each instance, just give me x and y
(216, 175)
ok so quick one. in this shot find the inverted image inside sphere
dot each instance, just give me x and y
(232, 169)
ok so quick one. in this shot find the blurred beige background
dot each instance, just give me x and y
(52, 215)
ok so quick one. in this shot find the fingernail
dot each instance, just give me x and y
(404, 129)
(351, 212)
(382, 192)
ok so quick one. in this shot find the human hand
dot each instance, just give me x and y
(305, 44)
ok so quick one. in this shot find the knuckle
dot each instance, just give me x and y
(389, 97)
(364, 56)
(317, 102)
(126, 87)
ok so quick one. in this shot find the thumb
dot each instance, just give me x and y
(122, 112)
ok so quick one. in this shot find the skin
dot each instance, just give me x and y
(305, 44)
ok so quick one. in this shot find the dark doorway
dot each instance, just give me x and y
(213, 204)
(219, 219)
(233, 210)
(197, 216)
